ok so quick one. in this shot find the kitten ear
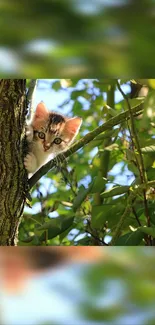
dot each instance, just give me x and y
(41, 111)
(73, 125)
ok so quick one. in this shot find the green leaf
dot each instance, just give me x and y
(54, 223)
(56, 226)
(55, 206)
(28, 239)
(65, 233)
(148, 113)
(77, 107)
(101, 85)
(56, 85)
(151, 83)
(149, 103)
(98, 184)
(112, 147)
(107, 213)
(134, 102)
(117, 190)
(31, 241)
(76, 93)
(99, 101)
(99, 215)
(130, 155)
(148, 230)
(130, 239)
(67, 222)
(148, 149)
(110, 110)
(81, 196)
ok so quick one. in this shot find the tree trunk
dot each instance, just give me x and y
(12, 172)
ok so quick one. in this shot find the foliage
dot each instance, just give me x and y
(115, 286)
(77, 38)
(111, 292)
(103, 194)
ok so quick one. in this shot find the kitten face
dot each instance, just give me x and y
(49, 133)
(52, 131)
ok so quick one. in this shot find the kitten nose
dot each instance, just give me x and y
(47, 146)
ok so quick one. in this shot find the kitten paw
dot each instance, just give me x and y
(30, 162)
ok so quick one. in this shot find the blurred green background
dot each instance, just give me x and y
(118, 290)
(77, 38)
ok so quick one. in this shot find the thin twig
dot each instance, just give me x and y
(139, 223)
(143, 175)
(136, 216)
(134, 134)
(95, 236)
(121, 222)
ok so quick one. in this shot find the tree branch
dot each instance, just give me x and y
(134, 134)
(105, 154)
(82, 142)
(142, 171)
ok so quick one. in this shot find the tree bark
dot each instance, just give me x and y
(12, 172)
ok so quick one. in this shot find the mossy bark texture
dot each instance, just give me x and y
(12, 172)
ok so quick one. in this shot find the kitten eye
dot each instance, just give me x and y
(41, 135)
(57, 140)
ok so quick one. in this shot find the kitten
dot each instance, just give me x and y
(48, 133)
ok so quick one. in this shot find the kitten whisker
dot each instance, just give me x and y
(68, 147)
(65, 159)
(57, 161)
